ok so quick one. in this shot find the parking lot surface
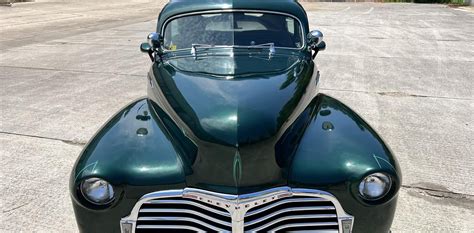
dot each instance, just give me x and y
(67, 66)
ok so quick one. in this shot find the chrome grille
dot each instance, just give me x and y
(275, 210)
(292, 214)
(182, 215)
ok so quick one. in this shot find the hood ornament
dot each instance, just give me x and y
(237, 168)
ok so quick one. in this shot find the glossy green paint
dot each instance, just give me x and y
(135, 153)
(338, 158)
(234, 121)
(349, 150)
(224, 108)
(135, 138)
(306, 155)
(225, 99)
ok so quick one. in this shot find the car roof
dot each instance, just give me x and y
(178, 7)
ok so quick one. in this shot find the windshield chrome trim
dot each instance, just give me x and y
(271, 48)
(162, 31)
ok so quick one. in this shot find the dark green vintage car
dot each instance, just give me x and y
(234, 135)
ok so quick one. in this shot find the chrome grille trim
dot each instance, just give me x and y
(239, 207)
(285, 201)
(289, 210)
(318, 231)
(171, 227)
(188, 203)
(290, 217)
(176, 219)
(183, 211)
(304, 225)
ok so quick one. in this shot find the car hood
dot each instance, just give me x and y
(234, 109)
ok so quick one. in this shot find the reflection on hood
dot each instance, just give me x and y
(235, 110)
(247, 99)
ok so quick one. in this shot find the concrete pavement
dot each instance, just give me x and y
(407, 69)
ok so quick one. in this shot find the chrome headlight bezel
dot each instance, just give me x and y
(105, 198)
(378, 183)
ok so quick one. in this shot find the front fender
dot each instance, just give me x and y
(134, 152)
(335, 152)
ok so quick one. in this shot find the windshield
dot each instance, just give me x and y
(233, 29)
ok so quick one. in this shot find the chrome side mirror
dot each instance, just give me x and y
(153, 46)
(154, 40)
(316, 42)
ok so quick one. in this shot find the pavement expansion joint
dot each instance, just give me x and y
(14, 208)
(399, 94)
(440, 193)
(70, 142)
(69, 70)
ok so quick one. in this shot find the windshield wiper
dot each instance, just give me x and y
(271, 48)
(195, 46)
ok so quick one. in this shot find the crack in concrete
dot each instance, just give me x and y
(399, 94)
(440, 193)
(441, 197)
(402, 94)
(15, 208)
(73, 71)
(69, 142)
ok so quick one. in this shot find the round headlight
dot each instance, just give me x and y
(97, 191)
(375, 186)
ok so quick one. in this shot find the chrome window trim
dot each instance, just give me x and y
(238, 205)
(303, 38)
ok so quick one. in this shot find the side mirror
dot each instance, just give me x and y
(152, 46)
(145, 48)
(154, 40)
(316, 42)
(321, 46)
